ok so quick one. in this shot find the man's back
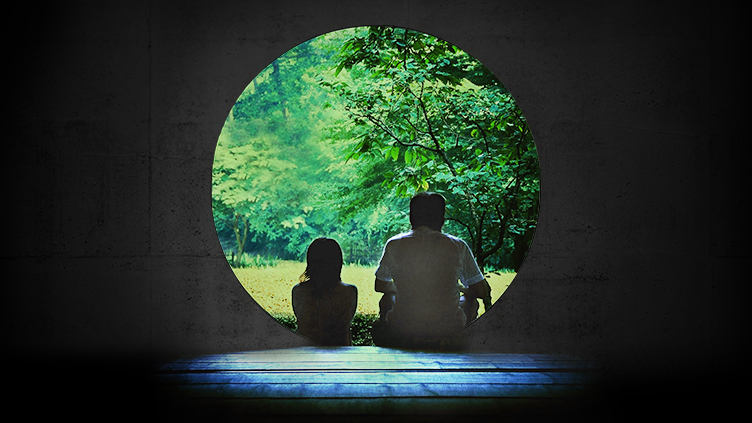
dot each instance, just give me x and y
(425, 265)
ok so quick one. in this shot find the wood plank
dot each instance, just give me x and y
(329, 366)
(371, 365)
(352, 353)
(379, 377)
(475, 361)
(374, 381)
(371, 358)
(381, 390)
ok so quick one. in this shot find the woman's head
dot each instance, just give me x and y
(324, 261)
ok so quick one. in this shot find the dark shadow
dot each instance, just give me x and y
(423, 306)
(323, 305)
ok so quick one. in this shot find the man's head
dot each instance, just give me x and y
(427, 209)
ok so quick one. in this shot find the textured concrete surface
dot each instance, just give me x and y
(115, 112)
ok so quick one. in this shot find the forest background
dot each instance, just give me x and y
(335, 136)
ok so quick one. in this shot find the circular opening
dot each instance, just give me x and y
(335, 136)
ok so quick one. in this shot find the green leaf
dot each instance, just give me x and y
(408, 156)
(339, 69)
(394, 152)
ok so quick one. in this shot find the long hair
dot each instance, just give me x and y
(323, 263)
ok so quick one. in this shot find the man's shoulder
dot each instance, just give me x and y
(399, 236)
(425, 232)
(454, 239)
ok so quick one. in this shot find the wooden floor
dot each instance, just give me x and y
(375, 382)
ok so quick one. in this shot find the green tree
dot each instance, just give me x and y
(247, 176)
(334, 136)
(422, 114)
(276, 171)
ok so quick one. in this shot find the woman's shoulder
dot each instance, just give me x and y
(348, 286)
(302, 287)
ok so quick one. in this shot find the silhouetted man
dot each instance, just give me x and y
(419, 273)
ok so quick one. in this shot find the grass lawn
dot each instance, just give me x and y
(271, 288)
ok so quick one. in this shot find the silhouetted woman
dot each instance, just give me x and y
(323, 305)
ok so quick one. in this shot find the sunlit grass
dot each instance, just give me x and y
(271, 287)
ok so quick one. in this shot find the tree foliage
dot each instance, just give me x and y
(332, 138)
(274, 172)
(424, 115)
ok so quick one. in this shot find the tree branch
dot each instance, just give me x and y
(226, 221)
(432, 135)
(467, 227)
(483, 133)
(479, 246)
(409, 122)
(500, 239)
(387, 131)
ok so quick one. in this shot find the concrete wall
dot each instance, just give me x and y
(116, 110)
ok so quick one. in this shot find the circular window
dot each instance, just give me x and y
(334, 137)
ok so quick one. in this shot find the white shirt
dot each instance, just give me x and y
(425, 266)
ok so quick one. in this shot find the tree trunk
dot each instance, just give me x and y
(240, 238)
